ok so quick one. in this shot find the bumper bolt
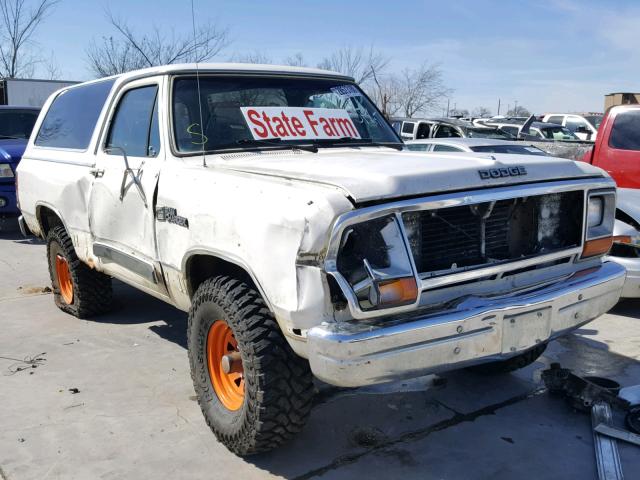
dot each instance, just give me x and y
(459, 329)
(456, 350)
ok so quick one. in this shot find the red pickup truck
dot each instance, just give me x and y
(617, 150)
(617, 146)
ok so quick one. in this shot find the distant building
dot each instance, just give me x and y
(613, 99)
(28, 92)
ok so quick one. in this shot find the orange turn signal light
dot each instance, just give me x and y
(597, 247)
(400, 291)
(622, 239)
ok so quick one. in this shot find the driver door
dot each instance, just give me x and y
(121, 203)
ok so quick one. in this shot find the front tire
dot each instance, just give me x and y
(77, 289)
(262, 396)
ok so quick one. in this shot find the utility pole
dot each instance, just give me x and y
(515, 109)
(447, 107)
(498, 107)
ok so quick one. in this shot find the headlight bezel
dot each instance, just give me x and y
(604, 228)
(598, 237)
(382, 282)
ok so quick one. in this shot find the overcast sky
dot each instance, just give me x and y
(561, 55)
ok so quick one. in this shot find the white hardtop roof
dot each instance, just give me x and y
(468, 142)
(204, 68)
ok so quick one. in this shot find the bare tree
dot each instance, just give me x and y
(481, 112)
(518, 111)
(385, 93)
(459, 112)
(18, 23)
(355, 62)
(256, 56)
(295, 60)
(129, 50)
(51, 68)
(421, 90)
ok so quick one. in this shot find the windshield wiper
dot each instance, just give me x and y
(277, 142)
(355, 141)
(5, 137)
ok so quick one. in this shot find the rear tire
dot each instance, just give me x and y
(77, 289)
(271, 400)
(514, 363)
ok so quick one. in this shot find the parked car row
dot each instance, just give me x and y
(280, 209)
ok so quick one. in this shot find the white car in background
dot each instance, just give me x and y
(585, 127)
(477, 145)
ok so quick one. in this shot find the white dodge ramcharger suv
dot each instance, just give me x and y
(275, 205)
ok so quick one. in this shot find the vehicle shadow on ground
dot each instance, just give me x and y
(629, 307)
(134, 307)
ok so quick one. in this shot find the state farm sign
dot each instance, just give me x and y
(299, 123)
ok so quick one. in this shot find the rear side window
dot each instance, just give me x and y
(555, 119)
(446, 148)
(72, 117)
(135, 124)
(625, 134)
(407, 127)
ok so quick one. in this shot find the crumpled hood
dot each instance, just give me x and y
(369, 174)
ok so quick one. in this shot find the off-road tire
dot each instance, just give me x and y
(511, 364)
(278, 384)
(92, 292)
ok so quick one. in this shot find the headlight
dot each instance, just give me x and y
(595, 210)
(601, 209)
(374, 260)
(5, 171)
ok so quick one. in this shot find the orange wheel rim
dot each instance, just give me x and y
(65, 283)
(229, 387)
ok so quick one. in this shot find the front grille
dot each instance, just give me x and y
(506, 230)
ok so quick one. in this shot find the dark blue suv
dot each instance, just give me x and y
(16, 124)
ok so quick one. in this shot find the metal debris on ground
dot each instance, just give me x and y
(26, 363)
(618, 433)
(582, 392)
(607, 456)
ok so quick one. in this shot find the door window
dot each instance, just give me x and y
(135, 124)
(574, 123)
(445, 131)
(418, 147)
(510, 130)
(625, 134)
(423, 130)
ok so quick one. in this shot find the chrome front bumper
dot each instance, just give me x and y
(632, 284)
(477, 330)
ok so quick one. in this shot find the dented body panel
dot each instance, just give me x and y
(281, 219)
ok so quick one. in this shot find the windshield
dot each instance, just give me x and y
(594, 120)
(515, 148)
(263, 112)
(495, 133)
(558, 133)
(17, 123)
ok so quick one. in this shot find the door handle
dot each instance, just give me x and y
(97, 172)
